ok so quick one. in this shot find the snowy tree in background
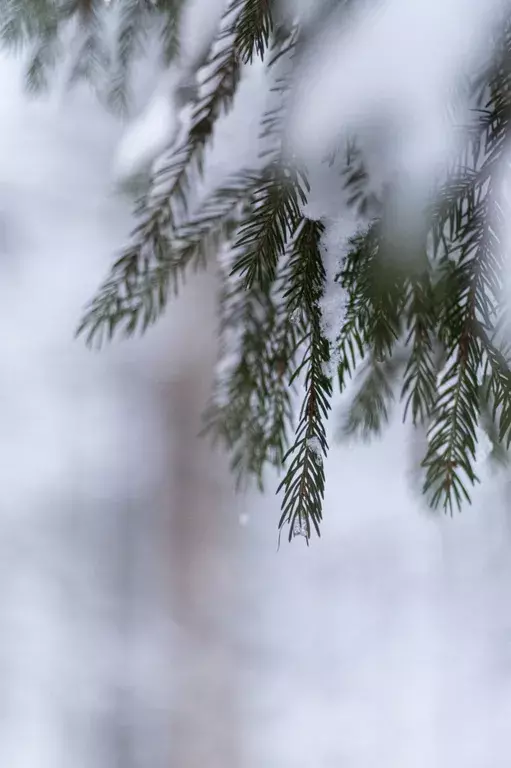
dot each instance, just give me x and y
(334, 266)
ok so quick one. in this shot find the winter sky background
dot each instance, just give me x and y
(388, 641)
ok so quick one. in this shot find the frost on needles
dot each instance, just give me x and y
(429, 332)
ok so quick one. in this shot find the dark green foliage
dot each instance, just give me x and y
(427, 330)
(263, 236)
(371, 406)
(271, 237)
(43, 26)
(425, 335)
(251, 412)
(254, 28)
(304, 483)
(163, 245)
(452, 310)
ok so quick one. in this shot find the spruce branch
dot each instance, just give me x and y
(253, 29)
(43, 24)
(137, 289)
(254, 413)
(470, 301)
(370, 334)
(40, 25)
(169, 16)
(489, 412)
(353, 341)
(130, 35)
(419, 390)
(370, 409)
(280, 66)
(304, 482)
(93, 59)
(276, 214)
(396, 322)
(251, 412)
(28, 21)
(218, 83)
(451, 455)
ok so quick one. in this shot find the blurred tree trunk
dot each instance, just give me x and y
(203, 560)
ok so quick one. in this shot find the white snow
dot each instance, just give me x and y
(314, 445)
(393, 71)
(152, 132)
(244, 519)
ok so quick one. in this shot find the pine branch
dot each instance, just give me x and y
(251, 412)
(218, 83)
(450, 459)
(130, 34)
(353, 340)
(470, 300)
(46, 47)
(135, 293)
(262, 238)
(466, 254)
(281, 67)
(451, 455)
(93, 60)
(497, 386)
(370, 410)
(254, 27)
(170, 14)
(27, 21)
(419, 390)
(270, 300)
(137, 289)
(356, 183)
(499, 454)
(452, 303)
(471, 274)
(42, 59)
(42, 26)
(254, 416)
(370, 334)
(304, 483)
